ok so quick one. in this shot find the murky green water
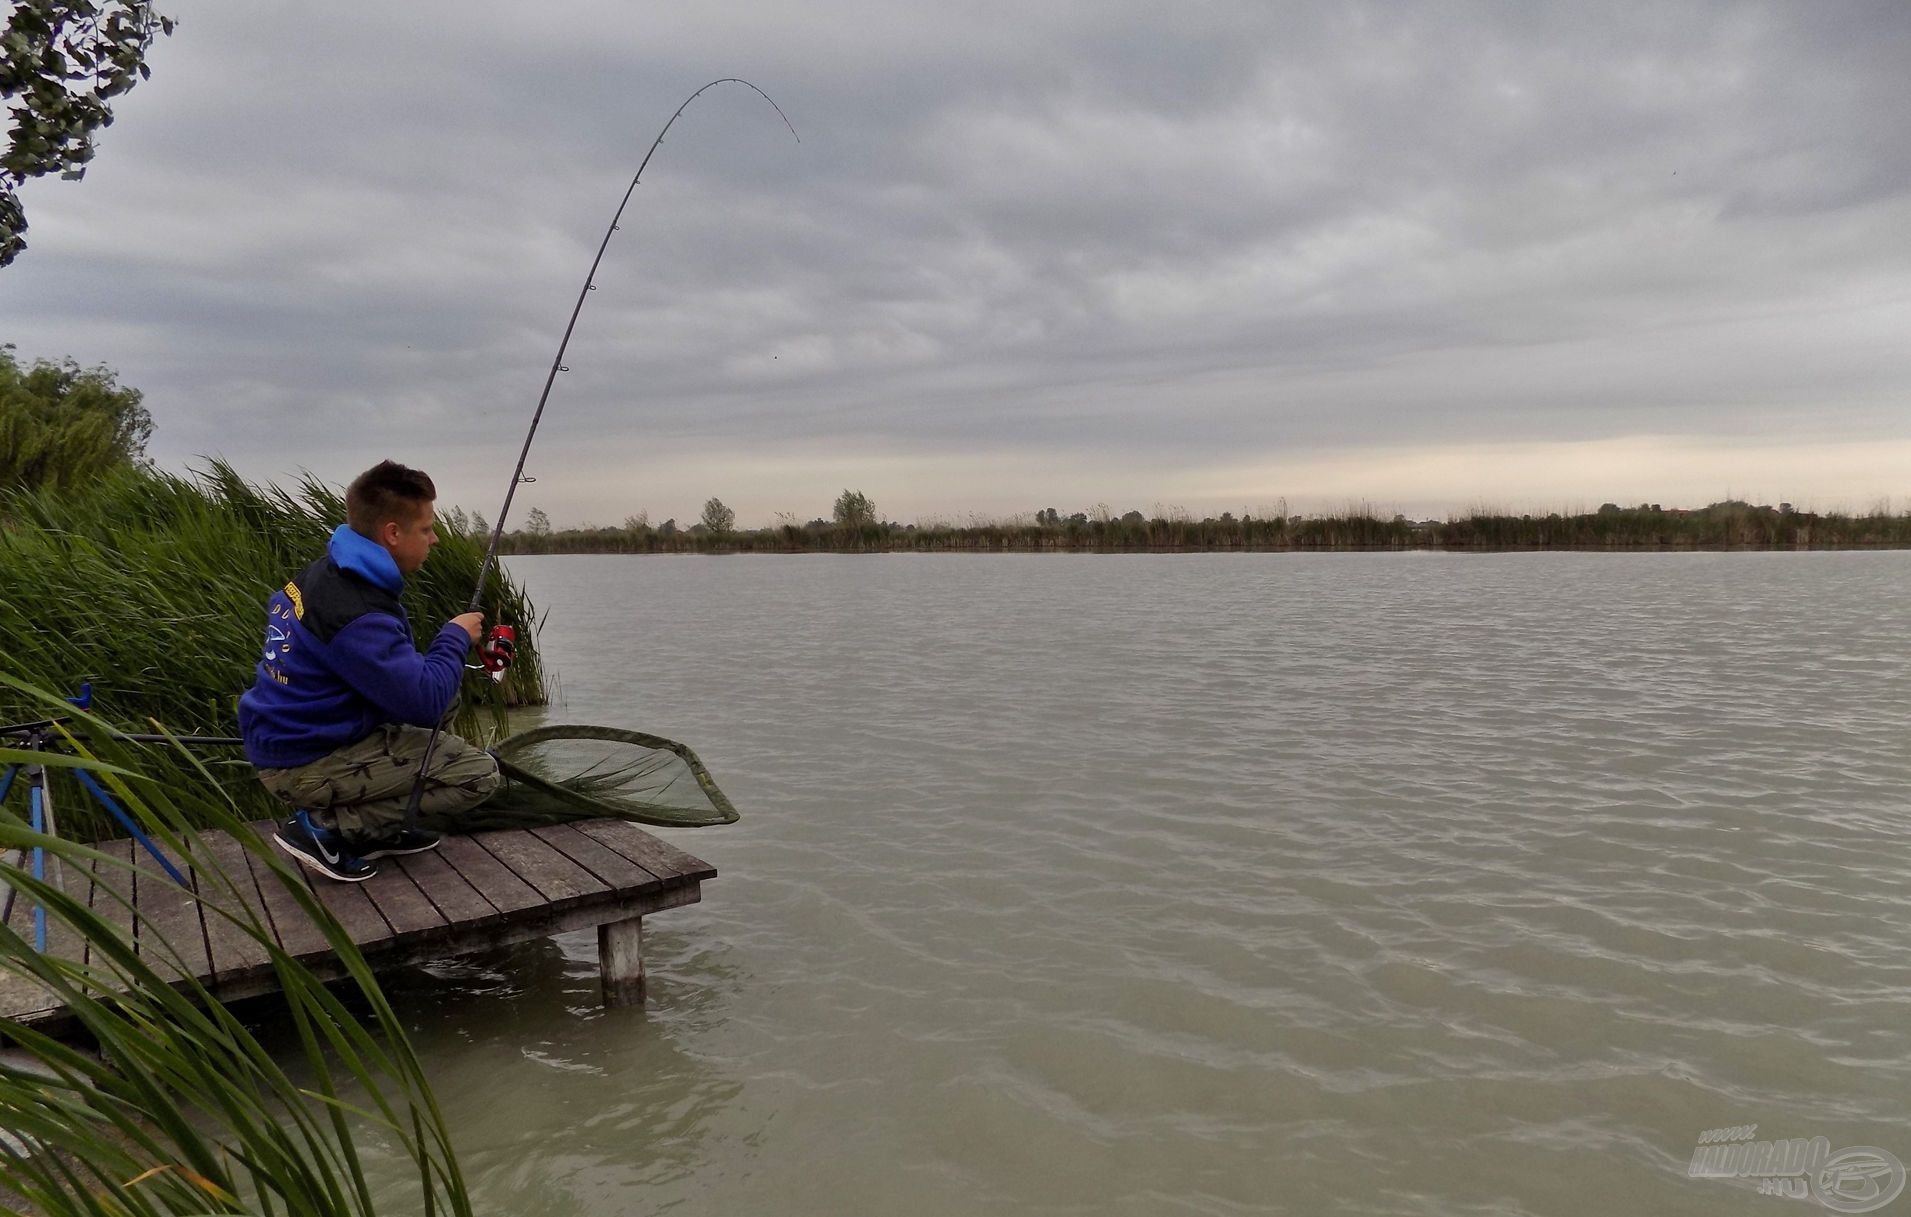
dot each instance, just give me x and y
(1221, 884)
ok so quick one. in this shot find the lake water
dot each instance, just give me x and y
(1215, 884)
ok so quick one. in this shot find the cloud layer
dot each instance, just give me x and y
(1111, 252)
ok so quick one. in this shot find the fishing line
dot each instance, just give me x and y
(557, 365)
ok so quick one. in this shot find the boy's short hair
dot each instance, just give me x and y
(386, 491)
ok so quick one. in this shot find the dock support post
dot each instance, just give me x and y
(620, 956)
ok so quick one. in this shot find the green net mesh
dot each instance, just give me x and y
(573, 771)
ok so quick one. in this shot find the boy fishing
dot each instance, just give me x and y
(342, 704)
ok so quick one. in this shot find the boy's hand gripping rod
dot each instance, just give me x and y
(557, 365)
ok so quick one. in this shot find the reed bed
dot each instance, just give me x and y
(153, 587)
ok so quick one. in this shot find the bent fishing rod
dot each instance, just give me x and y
(557, 365)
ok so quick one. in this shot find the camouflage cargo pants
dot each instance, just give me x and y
(361, 790)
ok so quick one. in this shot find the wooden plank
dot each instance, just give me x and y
(170, 913)
(65, 941)
(298, 935)
(352, 907)
(612, 869)
(233, 951)
(22, 904)
(20, 994)
(450, 893)
(501, 887)
(11, 898)
(22, 998)
(654, 854)
(18, 903)
(106, 880)
(400, 902)
(62, 939)
(558, 879)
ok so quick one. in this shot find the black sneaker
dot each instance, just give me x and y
(404, 841)
(319, 849)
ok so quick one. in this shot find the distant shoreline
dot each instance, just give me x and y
(715, 550)
(1721, 527)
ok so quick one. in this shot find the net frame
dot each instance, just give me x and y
(722, 811)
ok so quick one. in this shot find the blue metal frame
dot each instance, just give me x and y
(106, 800)
(37, 736)
(37, 797)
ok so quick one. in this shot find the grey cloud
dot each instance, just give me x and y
(1111, 229)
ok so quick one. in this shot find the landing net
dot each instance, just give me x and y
(574, 771)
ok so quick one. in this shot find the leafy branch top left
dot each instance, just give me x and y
(61, 64)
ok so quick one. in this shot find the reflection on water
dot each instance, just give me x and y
(1220, 884)
(541, 1084)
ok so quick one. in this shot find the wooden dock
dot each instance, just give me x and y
(482, 890)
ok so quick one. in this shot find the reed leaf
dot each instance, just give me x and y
(182, 1109)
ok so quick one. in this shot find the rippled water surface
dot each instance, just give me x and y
(1221, 884)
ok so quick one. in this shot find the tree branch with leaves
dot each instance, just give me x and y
(61, 64)
(63, 426)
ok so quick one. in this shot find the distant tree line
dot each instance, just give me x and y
(64, 427)
(854, 527)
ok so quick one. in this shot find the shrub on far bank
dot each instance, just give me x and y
(62, 425)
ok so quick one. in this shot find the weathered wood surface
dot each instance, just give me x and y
(620, 960)
(472, 892)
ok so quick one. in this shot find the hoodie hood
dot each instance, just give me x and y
(365, 558)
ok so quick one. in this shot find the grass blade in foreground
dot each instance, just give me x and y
(183, 1110)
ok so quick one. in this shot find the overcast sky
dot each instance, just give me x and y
(1219, 256)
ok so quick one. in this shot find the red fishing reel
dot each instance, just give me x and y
(498, 649)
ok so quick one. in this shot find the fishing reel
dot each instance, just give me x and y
(498, 649)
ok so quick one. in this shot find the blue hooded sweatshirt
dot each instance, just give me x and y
(339, 661)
